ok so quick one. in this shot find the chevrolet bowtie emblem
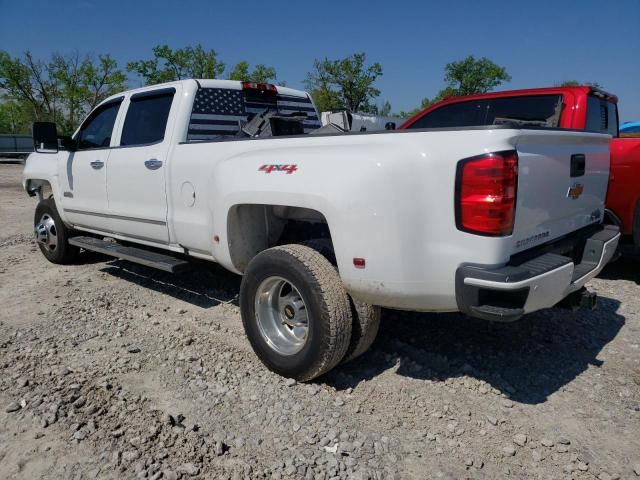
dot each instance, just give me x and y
(575, 191)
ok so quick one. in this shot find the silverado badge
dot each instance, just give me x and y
(575, 191)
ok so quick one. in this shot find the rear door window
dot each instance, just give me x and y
(146, 119)
(602, 116)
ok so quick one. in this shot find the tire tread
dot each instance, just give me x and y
(337, 303)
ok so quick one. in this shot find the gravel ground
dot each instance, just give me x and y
(109, 370)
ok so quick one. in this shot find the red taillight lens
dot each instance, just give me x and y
(486, 193)
(263, 87)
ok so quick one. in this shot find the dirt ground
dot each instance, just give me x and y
(110, 370)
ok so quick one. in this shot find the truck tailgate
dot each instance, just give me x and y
(562, 184)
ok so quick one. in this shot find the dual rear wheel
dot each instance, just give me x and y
(297, 315)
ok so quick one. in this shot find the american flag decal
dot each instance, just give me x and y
(219, 112)
(216, 111)
(288, 104)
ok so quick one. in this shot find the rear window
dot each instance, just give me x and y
(532, 110)
(218, 113)
(602, 116)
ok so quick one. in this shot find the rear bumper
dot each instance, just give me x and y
(539, 280)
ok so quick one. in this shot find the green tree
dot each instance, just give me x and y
(102, 79)
(62, 90)
(427, 102)
(385, 109)
(326, 99)
(28, 80)
(466, 77)
(260, 74)
(15, 117)
(83, 83)
(66, 74)
(472, 75)
(168, 65)
(346, 83)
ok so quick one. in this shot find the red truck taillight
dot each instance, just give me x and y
(485, 198)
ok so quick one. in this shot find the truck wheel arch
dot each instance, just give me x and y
(39, 187)
(252, 228)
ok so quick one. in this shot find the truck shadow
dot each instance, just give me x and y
(626, 267)
(204, 285)
(527, 360)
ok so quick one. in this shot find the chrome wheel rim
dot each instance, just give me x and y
(47, 233)
(281, 314)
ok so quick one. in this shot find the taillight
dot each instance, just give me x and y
(263, 87)
(486, 193)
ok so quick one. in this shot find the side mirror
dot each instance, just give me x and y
(45, 137)
(68, 143)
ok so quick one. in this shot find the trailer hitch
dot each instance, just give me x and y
(582, 298)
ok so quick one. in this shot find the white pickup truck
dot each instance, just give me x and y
(325, 228)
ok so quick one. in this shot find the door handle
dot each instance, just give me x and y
(578, 165)
(97, 164)
(153, 164)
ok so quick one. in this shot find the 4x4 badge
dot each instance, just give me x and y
(279, 168)
(575, 191)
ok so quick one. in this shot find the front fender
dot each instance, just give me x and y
(43, 168)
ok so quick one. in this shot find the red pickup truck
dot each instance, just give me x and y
(578, 108)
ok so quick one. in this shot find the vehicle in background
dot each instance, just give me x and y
(363, 122)
(578, 108)
(15, 147)
(325, 228)
(630, 129)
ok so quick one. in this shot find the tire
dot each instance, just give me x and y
(366, 317)
(364, 330)
(288, 287)
(52, 235)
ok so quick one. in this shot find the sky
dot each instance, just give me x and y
(541, 43)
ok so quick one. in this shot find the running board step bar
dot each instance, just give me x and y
(148, 258)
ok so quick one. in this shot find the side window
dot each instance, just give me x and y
(146, 119)
(534, 110)
(602, 116)
(464, 114)
(96, 131)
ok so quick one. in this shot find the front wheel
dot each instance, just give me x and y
(295, 312)
(52, 235)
